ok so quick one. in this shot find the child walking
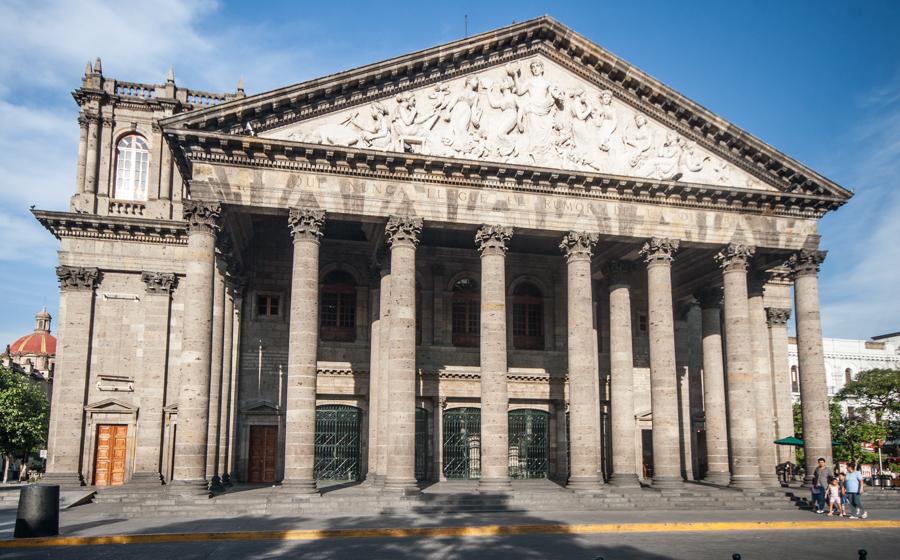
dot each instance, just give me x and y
(833, 495)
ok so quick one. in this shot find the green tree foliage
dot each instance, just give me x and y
(876, 391)
(24, 414)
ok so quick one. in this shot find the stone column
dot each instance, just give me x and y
(492, 243)
(739, 367)
(238, 292)
(714, 388)
(403, 235)
(227, 380)
(621, 374)
(152, 379)
(584, 429)
(76, 319)
(375, 375)
(193, 396)
(93, 151)
(215, 377)
(384, 382)
(781, 378)
(300, 407)
(659, 253)
(82, 153)
(762, 383)
(810, 357)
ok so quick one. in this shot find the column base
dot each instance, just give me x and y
(402, 486)
(745, 481)
(584, 483)
(501, 485)
(717, 478)
(190, 488)
(770, 481)
(625, 480)
(299, 486)
(667, 481)
(68, 479)
(151, 479)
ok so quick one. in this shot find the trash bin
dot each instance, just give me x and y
(38, 514)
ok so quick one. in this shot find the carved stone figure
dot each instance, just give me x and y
(638, 141)
(501, 97)
(605, 120)
(536, 109)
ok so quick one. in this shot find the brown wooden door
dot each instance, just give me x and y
(109, 458)
(263, 446)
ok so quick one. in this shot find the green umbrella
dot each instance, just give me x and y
(797, 442)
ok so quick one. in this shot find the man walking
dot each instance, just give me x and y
(855, 488)
(821, 478)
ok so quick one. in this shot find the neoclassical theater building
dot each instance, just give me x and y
(511, 256)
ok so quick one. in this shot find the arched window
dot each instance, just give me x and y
(337, 318)
(528, 317)
(466, 312)
(132, 168)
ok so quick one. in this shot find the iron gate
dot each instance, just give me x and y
(462, 443)
(421, 442)
(529, 444)
(337, 442)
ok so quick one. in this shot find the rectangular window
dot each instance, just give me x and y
(267, 305)
(642, 323)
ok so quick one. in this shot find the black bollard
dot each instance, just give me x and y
(862, 554)
(38, 514)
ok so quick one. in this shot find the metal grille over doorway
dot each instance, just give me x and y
(529, 443)
(421, 442)
(462, 443)
(337, 442)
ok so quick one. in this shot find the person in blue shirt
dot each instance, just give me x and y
(855, 488)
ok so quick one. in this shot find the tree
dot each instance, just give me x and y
(852, 433)
(24, 415)
(876, 391)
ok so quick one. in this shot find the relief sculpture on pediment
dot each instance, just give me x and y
(531, 112)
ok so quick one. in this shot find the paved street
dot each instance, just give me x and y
(840, 542)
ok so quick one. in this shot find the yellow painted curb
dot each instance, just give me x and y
(477, 531)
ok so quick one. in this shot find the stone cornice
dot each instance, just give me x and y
(538, 36)
(244, 151)
(90, 226)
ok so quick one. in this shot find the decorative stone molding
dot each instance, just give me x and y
(118, 228)
(77, 278)
(159, 282)
(493, 239)
(806, 262)
(578, 245)
(201, 215)
(83, 120)
(710, 298)
(618, 272)
(659, 250)
(306, 223)
(402, 229)
(777, 316)
(735, 256)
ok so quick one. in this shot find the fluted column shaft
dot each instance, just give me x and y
(492, 242)
(403, 237)
(82, 153)
(739, 367)
(621, 374)
(781, 379)
(762, 383)
(658, 254)
(584, 429)
(300, 403)
(811, 359)
(193, 397)
(93, 150)
(714, 389)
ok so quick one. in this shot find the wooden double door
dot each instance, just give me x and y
(110, 454)
(263, 451)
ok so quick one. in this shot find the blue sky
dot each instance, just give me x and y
(820, 81)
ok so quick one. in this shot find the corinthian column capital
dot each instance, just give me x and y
(806, 262)
(403, 230)
(306, 223)
(201, 215)
(659, 250)
(493, 239)
(777, 316)
(159, 282)
(577, 245)
(735, 256)
(77, 278)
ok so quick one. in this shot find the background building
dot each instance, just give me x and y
(34, 354)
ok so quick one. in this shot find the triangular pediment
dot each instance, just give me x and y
(530, 112)
(259, 407)
(111, 405)
(579, 109)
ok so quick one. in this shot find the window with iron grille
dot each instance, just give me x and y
(466, 313)
(268, 305)
(337, 316)
(528, 317)
(642, 323)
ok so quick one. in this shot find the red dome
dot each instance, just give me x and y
(36, 343)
